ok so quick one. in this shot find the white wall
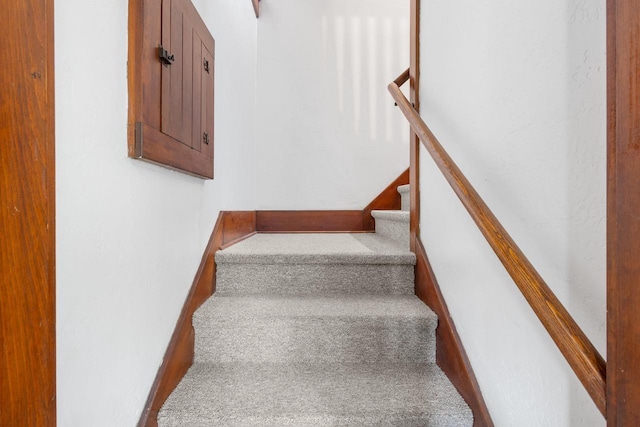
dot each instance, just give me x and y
(129, 234)
(515, 91)
(328, 135)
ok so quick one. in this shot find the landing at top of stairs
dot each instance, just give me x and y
(316, 248)
(396, 216)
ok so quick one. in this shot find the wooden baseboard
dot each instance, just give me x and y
(450, 354)
(308, 221)
(230, 226)
(331, 221)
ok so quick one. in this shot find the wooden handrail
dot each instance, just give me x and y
(402, 78)
(579, 352)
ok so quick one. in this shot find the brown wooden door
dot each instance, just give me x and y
(187, 83)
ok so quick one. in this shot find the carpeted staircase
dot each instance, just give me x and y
(317, 330)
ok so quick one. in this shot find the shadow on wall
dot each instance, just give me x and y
(328, 129)
(360, 50)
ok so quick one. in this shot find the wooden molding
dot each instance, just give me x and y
(623, 205)
(27, 216)
(238, 240)
(237, 224)
(450, 354)
(309, 221)
(256, 7)
(331, 221)
(230, 226)
(388, 199)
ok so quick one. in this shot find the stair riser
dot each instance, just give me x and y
(405, 197)
(397, 231)
(406, 203)
(314, 279)
(315, 340)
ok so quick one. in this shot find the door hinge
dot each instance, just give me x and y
(206, 65)
(164, 56)
(205, 138)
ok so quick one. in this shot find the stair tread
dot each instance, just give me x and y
(315, 394)
(316, 248)
(311, 329)
(391, 215)
(404, 188)
(405, 306)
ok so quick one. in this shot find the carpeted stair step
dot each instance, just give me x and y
(315, 264)
(405, 196)
(240, 394)
(384, 329)
(393, 225)
(316, 330)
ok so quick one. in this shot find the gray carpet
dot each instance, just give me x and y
(315, 264)
(393, 225)
(316, 330)
(405, 196)
(272, 394)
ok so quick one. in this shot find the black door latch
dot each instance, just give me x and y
(164, 56)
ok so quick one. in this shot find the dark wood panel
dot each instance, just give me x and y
(583, 357)
(185, 84)
(309, 221)
(388, 199)
(27, 216)
(179, 355)
(623, 206)
(161, 98)
(450, 354)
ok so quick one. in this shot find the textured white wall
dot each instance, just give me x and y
(515, 91)
(129, 234)
(328, 135)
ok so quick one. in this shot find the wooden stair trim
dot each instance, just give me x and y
(389, 199)
(238, 240)
(450, 354)
(229, 227)
(333, 221)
